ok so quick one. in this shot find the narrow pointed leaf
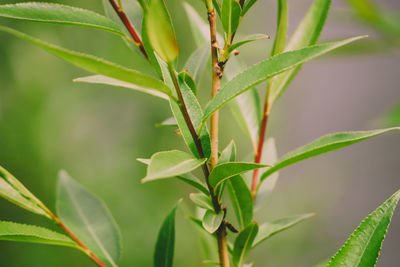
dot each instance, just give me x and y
(281, 30)
(211, 221)
(169, 122)
(228, 170)
(101, 79)
(247, 5)
(198, 26)
(160, 31)
(96, 65)
(149, 50)
(89, 219)
(171, 163)
(230, 16)
(248, 39)
(228, 154)
(365, 243)
(271, 228)
(59, 14)
(306, 34)
(165, 245)
(14, 191)
(267, 69)
(323, 145)
(202, 201)
(243, 243)
(241, 199)
(18, 232)
(217, 7)
(197, 61)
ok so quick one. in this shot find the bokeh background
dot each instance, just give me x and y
(48, 123)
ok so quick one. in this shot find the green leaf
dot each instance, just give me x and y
(171, 163)
(198, 26)
(197, 62)
(14, 191)
(196, 114)
(242, 200)
(323, 145)
(248, 39)
(59, 14)
(271, 228)
(212, 220)
(363, 246)
(164, 252)
(281, 29)
(266, 69)
(243, 243)
(160, 31)
(188, 81)
(101, 79)
(96, 65)
(201, 200)
(12, 231)
(228, 154)
(149, 50)
(169, 122)
(247, 5)
(230, 17)
(89, 219)
(217, 7)
(306, 34)
(392, 117)
(224, 171)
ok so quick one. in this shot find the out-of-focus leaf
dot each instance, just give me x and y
(224, 171)
(242, 200)
(12, 231)
(306, 34)
(323, 145)
(271, 228)
(164, 252)
(101, 79)
(198, 26)
(281, 28)
(212, 220)
(169, 122)
(160, 31)
(392, 117)
(228, 154)
(248, 39)
(96, 65)
(201, 200)
(243, 243)
(196, 114)
(247, 5)
(59, 14)
(217, 7)
(15, 192)
(230, 16)
(266, 69)
(169, 164)
(197, 62)
(363, 246)
(89, 219)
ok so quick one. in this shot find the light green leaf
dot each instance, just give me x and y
(248, 39)
(196, 114)
(101, 79)
(197, 62)
(12, 231)
(363, 246)
(247, 5)
(228, 154)
(271, 228)
(306, 34)
(243, 243)
(266, 69)
(164, 252)
(96, 65)
(230, 17)
(89, 219)
(169, 122)
(15, 192)
(59, 14)
(281, 29)
(242, 200)
(160, 31)
(201, 200)
(171, 163)
(198, 26)
(323, 145)
(224, 171)
(212, 221)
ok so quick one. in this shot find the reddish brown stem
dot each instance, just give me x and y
(129, 27)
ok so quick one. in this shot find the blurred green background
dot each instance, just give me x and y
(48, 123)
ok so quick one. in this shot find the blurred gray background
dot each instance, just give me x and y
(48, 123)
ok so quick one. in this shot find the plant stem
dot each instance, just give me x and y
(81, 246)
(128, 25)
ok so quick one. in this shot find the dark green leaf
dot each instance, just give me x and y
(281, 29)
(266, 69)
(59, 14)
(164, 253)
(171, 163)
(230, 17)
(242, 200)
(188, 81)
(363, 246)
(211, 220)
(271, 228)
(201, 200)
(243, 243)
(323, 145)
(89, 219)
